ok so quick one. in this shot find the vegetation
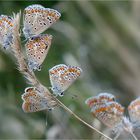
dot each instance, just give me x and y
(103, 38)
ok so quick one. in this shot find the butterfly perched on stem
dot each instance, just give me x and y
(37, 49)
(37, 19)
(62, 76)
(105, 108)
(6, 31)
(34, 100)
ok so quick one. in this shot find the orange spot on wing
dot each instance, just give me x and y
(135, 103)
(102, 109)
(26, 106)
(92, 102)
(32, 11)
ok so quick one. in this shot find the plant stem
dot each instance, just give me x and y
(132, 134)
(30, 76)
(81, 120)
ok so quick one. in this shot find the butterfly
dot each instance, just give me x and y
(34, 100)
(62, 76)
(37, 49)
(6, 31)
(37, 19)
(105, 108)
(134, 110)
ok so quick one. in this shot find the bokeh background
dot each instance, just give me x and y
(103, 38)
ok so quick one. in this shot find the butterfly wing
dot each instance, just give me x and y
(33, 107)
(31, 95)
(106, 97)
(34, 101)
(102, 97)
(55, 79)
(37, 19)
(6, 31)
(92, 101)
(134, 110)
(109, 113)
(62, 76)
(36, 49)
(69, 76)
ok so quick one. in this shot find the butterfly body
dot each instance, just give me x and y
(6, 31)
(36, 49)
(37, 19)
(62, 76)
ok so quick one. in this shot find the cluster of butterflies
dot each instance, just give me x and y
(105, 108)
(61, 77)
(36, 20)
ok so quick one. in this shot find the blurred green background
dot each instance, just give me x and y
(103, 38)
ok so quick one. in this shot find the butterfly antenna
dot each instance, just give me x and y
(74, 96)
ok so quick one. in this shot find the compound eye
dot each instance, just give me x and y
(61, 94)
